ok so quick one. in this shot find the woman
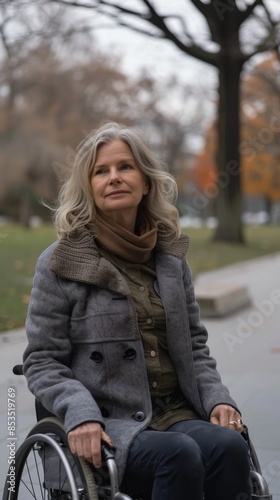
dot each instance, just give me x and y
(116, 348)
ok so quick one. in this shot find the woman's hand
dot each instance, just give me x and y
(85, 442)
(226, 416)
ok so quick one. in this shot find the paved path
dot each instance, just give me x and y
(246, 346)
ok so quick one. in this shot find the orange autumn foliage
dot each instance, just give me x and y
(260, 134)
(205, 173)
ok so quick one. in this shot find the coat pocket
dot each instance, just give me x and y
(108, 320)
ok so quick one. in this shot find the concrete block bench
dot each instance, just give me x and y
(218, 298)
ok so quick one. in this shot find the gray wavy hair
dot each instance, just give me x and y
(76, 206)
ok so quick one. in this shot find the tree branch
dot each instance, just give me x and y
(154, 19)
(74, 3)
(273, 23)
(4, 41)
(262, 47)
(182, 22)
(249, 11)
(3, 36)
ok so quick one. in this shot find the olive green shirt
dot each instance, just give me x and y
(169, 404)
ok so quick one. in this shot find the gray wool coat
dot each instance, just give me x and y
(85, 360)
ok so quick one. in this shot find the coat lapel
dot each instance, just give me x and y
(76, 258)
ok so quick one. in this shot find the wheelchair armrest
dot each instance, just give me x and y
(107, 452)
(18, 370)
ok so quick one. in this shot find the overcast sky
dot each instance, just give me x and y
(159, 57)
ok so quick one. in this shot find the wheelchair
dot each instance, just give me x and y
(45, 469)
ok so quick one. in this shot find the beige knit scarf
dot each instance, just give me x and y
(131, 247)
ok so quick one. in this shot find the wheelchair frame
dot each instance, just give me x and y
(31, 483)
(78, 480)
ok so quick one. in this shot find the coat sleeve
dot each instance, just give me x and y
(210, 387)
(46, 359)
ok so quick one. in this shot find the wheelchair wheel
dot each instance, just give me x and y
(45, 469)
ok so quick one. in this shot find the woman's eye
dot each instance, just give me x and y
(99, 171)
(126, 166)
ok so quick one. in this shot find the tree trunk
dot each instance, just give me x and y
(229, 199)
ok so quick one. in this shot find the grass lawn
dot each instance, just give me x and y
(20, 248)
(205, 255)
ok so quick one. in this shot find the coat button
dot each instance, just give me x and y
(96, 356)
(104, 412)
(139, 416)
(129, 354)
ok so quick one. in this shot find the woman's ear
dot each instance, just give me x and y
(146, 187)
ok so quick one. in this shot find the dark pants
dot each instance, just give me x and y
(190, 458)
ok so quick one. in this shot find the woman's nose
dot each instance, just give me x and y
(114, 176)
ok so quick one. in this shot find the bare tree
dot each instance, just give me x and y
(230, 43)
(55, 86)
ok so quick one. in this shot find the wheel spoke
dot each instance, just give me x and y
(46, 469)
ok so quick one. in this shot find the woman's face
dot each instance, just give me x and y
(117, 183)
